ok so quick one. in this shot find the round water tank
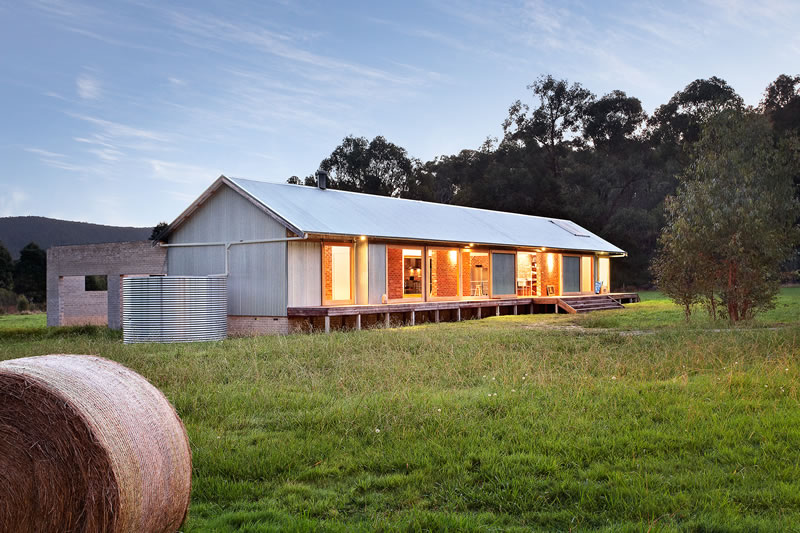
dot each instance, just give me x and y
(174, 309)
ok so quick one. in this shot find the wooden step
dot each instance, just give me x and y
(590, 303)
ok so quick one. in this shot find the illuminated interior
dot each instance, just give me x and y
(443, 273)
(604, 273)
(337, 275)
(404, 272)
(527, 274)
(474, 274)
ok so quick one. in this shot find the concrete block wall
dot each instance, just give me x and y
(77, 306)
(249, 326)
(113, 259)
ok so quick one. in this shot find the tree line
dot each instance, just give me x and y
(602, 162)
(23, 282)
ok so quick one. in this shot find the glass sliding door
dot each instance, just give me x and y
(571, 275)
(404, 273)
(337, 273)
(527, 274)
(474, 274)
(443, 273)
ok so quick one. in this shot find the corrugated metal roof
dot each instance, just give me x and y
(313, 210)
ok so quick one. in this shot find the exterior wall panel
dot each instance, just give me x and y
(377, 272)
(257, 282)
(305, 274)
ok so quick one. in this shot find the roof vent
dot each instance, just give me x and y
(322, 179)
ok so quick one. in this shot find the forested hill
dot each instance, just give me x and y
(16, 232)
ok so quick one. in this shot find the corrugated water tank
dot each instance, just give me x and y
(174, 309)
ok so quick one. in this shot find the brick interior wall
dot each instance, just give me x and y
(78, 306)
(549, 276)
(394, 272)
(249, 326)
(444, 274)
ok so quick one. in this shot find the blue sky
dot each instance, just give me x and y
(123, 112)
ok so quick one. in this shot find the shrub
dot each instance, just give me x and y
(23, 304)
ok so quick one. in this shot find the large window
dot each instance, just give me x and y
(443, 274)
(474, 274)
(337, 273)
(504, 277)
(586, 274)
(604, 273)
(404, 272)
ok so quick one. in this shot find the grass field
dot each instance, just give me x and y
(616, 421)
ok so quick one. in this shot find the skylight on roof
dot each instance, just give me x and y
(569, 227)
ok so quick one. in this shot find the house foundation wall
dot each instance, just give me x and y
(249, 326)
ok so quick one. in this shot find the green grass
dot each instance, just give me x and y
(35, 320)
(497, 424)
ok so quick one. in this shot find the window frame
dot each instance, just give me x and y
(404, 298)
(352, 298)
(430, 296)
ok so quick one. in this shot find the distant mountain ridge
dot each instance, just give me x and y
(17, 232)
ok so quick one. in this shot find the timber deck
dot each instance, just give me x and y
(478, 308)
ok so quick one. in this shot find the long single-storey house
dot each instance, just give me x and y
(299, 256)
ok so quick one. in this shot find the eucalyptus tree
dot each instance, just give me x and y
(732, 222)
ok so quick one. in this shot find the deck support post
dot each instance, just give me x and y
(388, 322)
(358, 322)
(516, 311)
(413, 317)
(532, 307)
(327, 324)
(556, 306)
(436, 316)
(458, 314)
(479, 312)
(497, 310)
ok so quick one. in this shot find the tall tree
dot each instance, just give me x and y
(30, 273)
(781, 103)
(558, 116)
(6, 268)
(374, 167)
(734, 213)
(680, 120)
(612, 120)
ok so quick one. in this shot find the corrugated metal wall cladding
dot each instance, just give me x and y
(257, 280)
(227, 216)
(257, 284)
(377, 272)
(174, 309)
(304, 273)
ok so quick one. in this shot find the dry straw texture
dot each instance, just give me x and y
(88, 445)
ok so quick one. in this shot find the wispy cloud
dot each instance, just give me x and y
(88, 87)
(43, 153)
(117, 130)
(181, 172)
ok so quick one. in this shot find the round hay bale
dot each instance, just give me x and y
(89, 445)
